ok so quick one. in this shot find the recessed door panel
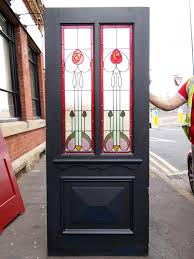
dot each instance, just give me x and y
(101, 204)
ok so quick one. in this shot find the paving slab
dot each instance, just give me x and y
(171, 222)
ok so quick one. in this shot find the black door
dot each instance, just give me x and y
(97, 81)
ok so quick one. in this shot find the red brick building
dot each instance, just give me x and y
(22, 85)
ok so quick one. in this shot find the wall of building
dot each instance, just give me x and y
(20, 144)
(25, 134)
(19, 7)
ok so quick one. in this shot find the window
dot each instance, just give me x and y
(9, 97)
(34, 83)
(77, 78)
(116, 88)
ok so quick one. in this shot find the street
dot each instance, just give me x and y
(171, 221)
(168, 154)
(171, 144)
(171, 205)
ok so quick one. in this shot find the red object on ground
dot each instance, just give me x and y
(11, 203)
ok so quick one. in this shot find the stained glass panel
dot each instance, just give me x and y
(116, 87)
(77, 74)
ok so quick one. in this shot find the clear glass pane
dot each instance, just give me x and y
(116, 36)
(116, 88)
(34, 108)
(6, 105)
(77, 36)
(32, 80)
(30, 54)
(5, 71)
(78, 88)
(71, 123)
(3, 24)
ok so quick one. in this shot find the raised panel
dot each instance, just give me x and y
(102, 204)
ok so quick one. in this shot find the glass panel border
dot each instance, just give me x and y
(130, 26)
(63, 27)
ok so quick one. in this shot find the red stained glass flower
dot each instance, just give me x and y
(77, 57)
(116, 57)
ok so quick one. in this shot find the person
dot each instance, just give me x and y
(184, 95)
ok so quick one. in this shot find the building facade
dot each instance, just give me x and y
(22, 84)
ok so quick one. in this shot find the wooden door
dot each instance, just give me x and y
(97, 81)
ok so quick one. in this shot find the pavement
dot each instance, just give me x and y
(171, 219)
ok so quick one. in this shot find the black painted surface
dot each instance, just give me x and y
(97, 204)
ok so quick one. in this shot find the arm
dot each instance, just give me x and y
(167, 105)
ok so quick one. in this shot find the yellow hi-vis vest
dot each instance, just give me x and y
(190, 92)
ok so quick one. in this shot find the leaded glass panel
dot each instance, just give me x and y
(77, 73)
(116, 87)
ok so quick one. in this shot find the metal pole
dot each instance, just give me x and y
(191, 30)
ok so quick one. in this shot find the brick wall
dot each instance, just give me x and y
(41, 78)
(23, 73)
(19, 144)
(25, 133)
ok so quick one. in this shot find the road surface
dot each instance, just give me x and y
(168, 155)
(171, 144)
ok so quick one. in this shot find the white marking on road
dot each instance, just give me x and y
(180, 172)
(162, 140)
(159, 165)
(168, 165)
(162, 168)
(166, 169)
